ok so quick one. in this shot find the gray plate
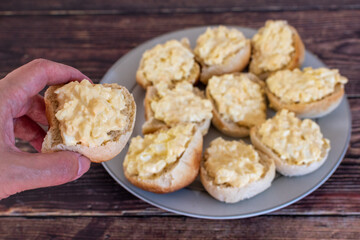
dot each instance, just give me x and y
(194, 201)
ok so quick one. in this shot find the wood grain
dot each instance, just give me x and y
(92, 44)
(276, 227)
(166, 7)
(91, 35)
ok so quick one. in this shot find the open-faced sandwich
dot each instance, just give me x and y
(238, 102)
(309, 93)
(221, 50)
(168, 105)
(170, 62)
(164, 161)
(297, 146)
(95, 120)
(276, 46)
(233, 170)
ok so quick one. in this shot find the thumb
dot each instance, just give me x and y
(36, 170)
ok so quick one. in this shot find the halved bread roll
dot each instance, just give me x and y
(167, 106)
(310, 93)
(221, 50)
(297, 147)
(83, 108)
(238, 102)
(166, 160)
(276, 46)
(171, 62)
(233, 170)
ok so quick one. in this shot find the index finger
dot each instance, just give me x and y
(35, 75)
(28, 80)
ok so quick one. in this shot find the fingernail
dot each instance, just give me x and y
(84, 165)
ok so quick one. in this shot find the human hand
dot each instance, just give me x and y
(21, 108)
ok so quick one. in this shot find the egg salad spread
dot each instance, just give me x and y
(171, 61)
(148, 157)
(295, 141)
(272, 47)
(87, 113)
(296, 86)
(180, 104)
(217, 45)
(233, 163)
(239, 99)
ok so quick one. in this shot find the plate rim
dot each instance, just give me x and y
(235, 216)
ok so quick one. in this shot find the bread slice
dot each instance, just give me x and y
(282, 166)
(297, 57)
(152, 124)
(144, 82)
(228, 127)
(229, 194)
(176, 176)
(234, 64)
(313, 109)
(53, 141)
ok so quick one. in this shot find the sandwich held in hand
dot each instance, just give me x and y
(93, 119)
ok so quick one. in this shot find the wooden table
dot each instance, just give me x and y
(91, 35)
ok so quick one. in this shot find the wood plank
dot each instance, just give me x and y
(97, 194)
(93, 43)
(276, 227)
(171, 6)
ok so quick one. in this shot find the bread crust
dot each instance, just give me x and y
(152, 124)
(283, 167)
(193, 77)
(228, 127)
(234, 64)
(179, 175)
(299, 54)
(313, 109)
(231, 194)
(297, 57)
(53, 141)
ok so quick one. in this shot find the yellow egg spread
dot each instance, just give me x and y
(171, 61)
(150, 156)
(233, 163)
(87, 113)
(180, 104)
(239, 99)
(217, 45)
(295, 141)
(305, 86)
(272, 47)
